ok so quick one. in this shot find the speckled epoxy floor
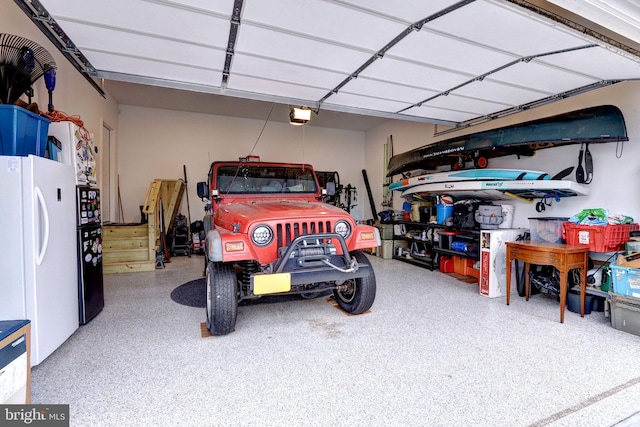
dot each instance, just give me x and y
(432, 352)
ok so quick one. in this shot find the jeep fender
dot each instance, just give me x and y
(215, 244)
(359, 243)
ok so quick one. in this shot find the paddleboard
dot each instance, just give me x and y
(527, 190)
(469, 175)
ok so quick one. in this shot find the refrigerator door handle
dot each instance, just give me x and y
(45, 243)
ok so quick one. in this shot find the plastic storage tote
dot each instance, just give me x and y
(22, 132)
(625, 280)
(625, 314)
(546, 229)
(600, 238)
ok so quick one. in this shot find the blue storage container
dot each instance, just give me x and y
(443, 212)
(625, 280)
(22, 132)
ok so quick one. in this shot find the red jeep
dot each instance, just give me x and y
(269, 233)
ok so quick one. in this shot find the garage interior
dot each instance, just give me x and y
(168, 87)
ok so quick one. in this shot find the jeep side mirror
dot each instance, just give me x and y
(203, 190)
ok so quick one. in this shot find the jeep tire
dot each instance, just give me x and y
(206, 224)
(222, 300)
(360, 293)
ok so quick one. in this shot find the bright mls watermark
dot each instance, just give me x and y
(34, 415)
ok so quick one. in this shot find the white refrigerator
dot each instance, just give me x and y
(38, 261)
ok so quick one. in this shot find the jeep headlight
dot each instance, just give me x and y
(343, 229)
(262, 235)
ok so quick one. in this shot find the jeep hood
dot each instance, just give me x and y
(244, 214)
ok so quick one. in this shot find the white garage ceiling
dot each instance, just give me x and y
(437, 61)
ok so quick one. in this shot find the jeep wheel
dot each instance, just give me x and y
(222, 301)
(206, 261)
(206, 223)
(356, 296)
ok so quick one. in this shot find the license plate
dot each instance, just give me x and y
(271, 283)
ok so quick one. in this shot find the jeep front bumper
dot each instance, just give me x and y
(309, 259)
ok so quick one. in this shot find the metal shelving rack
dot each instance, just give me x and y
(433, 246)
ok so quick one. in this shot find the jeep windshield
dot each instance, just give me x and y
(251, 179)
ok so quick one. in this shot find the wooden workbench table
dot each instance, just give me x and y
(563, 257)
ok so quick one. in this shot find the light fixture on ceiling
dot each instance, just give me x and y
(299, 115)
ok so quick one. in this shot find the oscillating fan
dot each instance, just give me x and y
(22, 62)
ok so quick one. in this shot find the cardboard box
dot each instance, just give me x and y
(493, 261)
(628, 261)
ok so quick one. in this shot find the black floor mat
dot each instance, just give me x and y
(194, 294)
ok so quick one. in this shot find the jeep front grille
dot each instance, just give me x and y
(286, 232)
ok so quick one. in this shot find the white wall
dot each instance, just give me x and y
(156, 143)
(406, 136)
(616, 178)
(73, 94)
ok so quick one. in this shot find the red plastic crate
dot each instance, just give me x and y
(600, 238)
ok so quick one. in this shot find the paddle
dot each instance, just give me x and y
(588, 164)
(580, 169)
(559, 175)
(563, 173)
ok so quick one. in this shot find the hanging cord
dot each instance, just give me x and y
(263, 126)
(254, 146)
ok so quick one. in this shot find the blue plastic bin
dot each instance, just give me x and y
(22, 132)
(625, 280)
(443, 212)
